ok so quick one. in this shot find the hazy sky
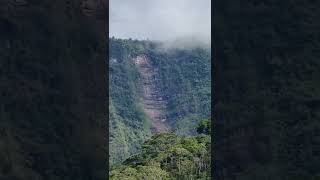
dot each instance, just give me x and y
(160, 19)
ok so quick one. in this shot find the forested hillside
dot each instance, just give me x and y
(128, 123)
(173, 99)
(168, 156)
(184, 79)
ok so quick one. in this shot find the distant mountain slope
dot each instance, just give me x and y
(169, 92)
(184, 80)
(152, 100)
(128, 124)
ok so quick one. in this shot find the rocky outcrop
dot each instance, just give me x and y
(152, 101)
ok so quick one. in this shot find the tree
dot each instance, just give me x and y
(204, 127)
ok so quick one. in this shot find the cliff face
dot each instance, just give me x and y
(151, 101)
(53, 93)
(154, 90)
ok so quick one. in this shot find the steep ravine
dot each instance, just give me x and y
(152, 101)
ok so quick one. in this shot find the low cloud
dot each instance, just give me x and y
(161, 20)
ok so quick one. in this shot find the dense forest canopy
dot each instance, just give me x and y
(182, 79)
(168, 156)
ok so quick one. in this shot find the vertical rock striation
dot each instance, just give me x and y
(152, 101)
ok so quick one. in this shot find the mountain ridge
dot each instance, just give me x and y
(177, 81)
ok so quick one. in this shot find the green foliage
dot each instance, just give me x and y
(204, 127)
(138, 173)
(183, 79)
(128, 124)
(168, 156)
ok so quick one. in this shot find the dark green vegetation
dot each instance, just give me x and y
(168, 156)
(52, 107)
(127, 122)
(267, 90)
(183, 80)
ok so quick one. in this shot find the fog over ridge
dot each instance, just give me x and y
(161, 20)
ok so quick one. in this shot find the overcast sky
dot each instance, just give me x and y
(160, 19)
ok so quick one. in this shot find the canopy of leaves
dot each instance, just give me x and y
(168, 156)
(183, 79)
(204, 127)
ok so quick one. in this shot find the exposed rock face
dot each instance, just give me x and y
(152, 101)
(53, 93)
